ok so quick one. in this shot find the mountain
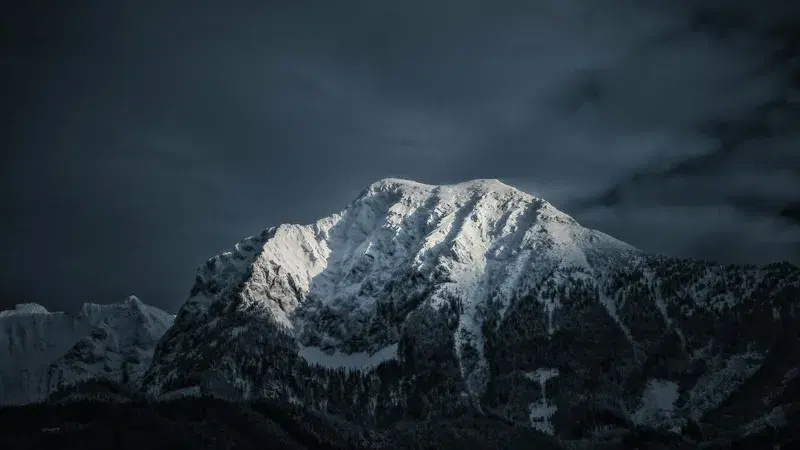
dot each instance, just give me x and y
(41, 351)
(422, 302)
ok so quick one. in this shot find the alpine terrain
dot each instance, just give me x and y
(425, 303)
(42, 352)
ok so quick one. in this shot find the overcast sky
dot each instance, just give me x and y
(141, 138)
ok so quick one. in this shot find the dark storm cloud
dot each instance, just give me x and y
(749, 178)
(146, 138)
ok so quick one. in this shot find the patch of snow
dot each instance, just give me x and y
(657, 406)
(353, 361)
(564, 234)
(541, 412)
(541, 376)
(541, 415)
(718, 384)
(611, 306)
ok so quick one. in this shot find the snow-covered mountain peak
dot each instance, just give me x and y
(398, 227)
(481, 242)
(25, 308)
(41, 350)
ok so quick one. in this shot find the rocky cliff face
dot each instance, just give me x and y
(422, 301)
(41, 351)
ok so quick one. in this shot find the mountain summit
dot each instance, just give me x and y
(419, 301)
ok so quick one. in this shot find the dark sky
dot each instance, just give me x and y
(142, 137)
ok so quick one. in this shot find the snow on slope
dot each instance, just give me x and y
(542, 411)
(460, 229)
(352, 361)
(716, 385)
(39, 350)
(24, 308)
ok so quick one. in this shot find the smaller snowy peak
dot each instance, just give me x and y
(41, 350)
(25, 308)
(127, 315)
